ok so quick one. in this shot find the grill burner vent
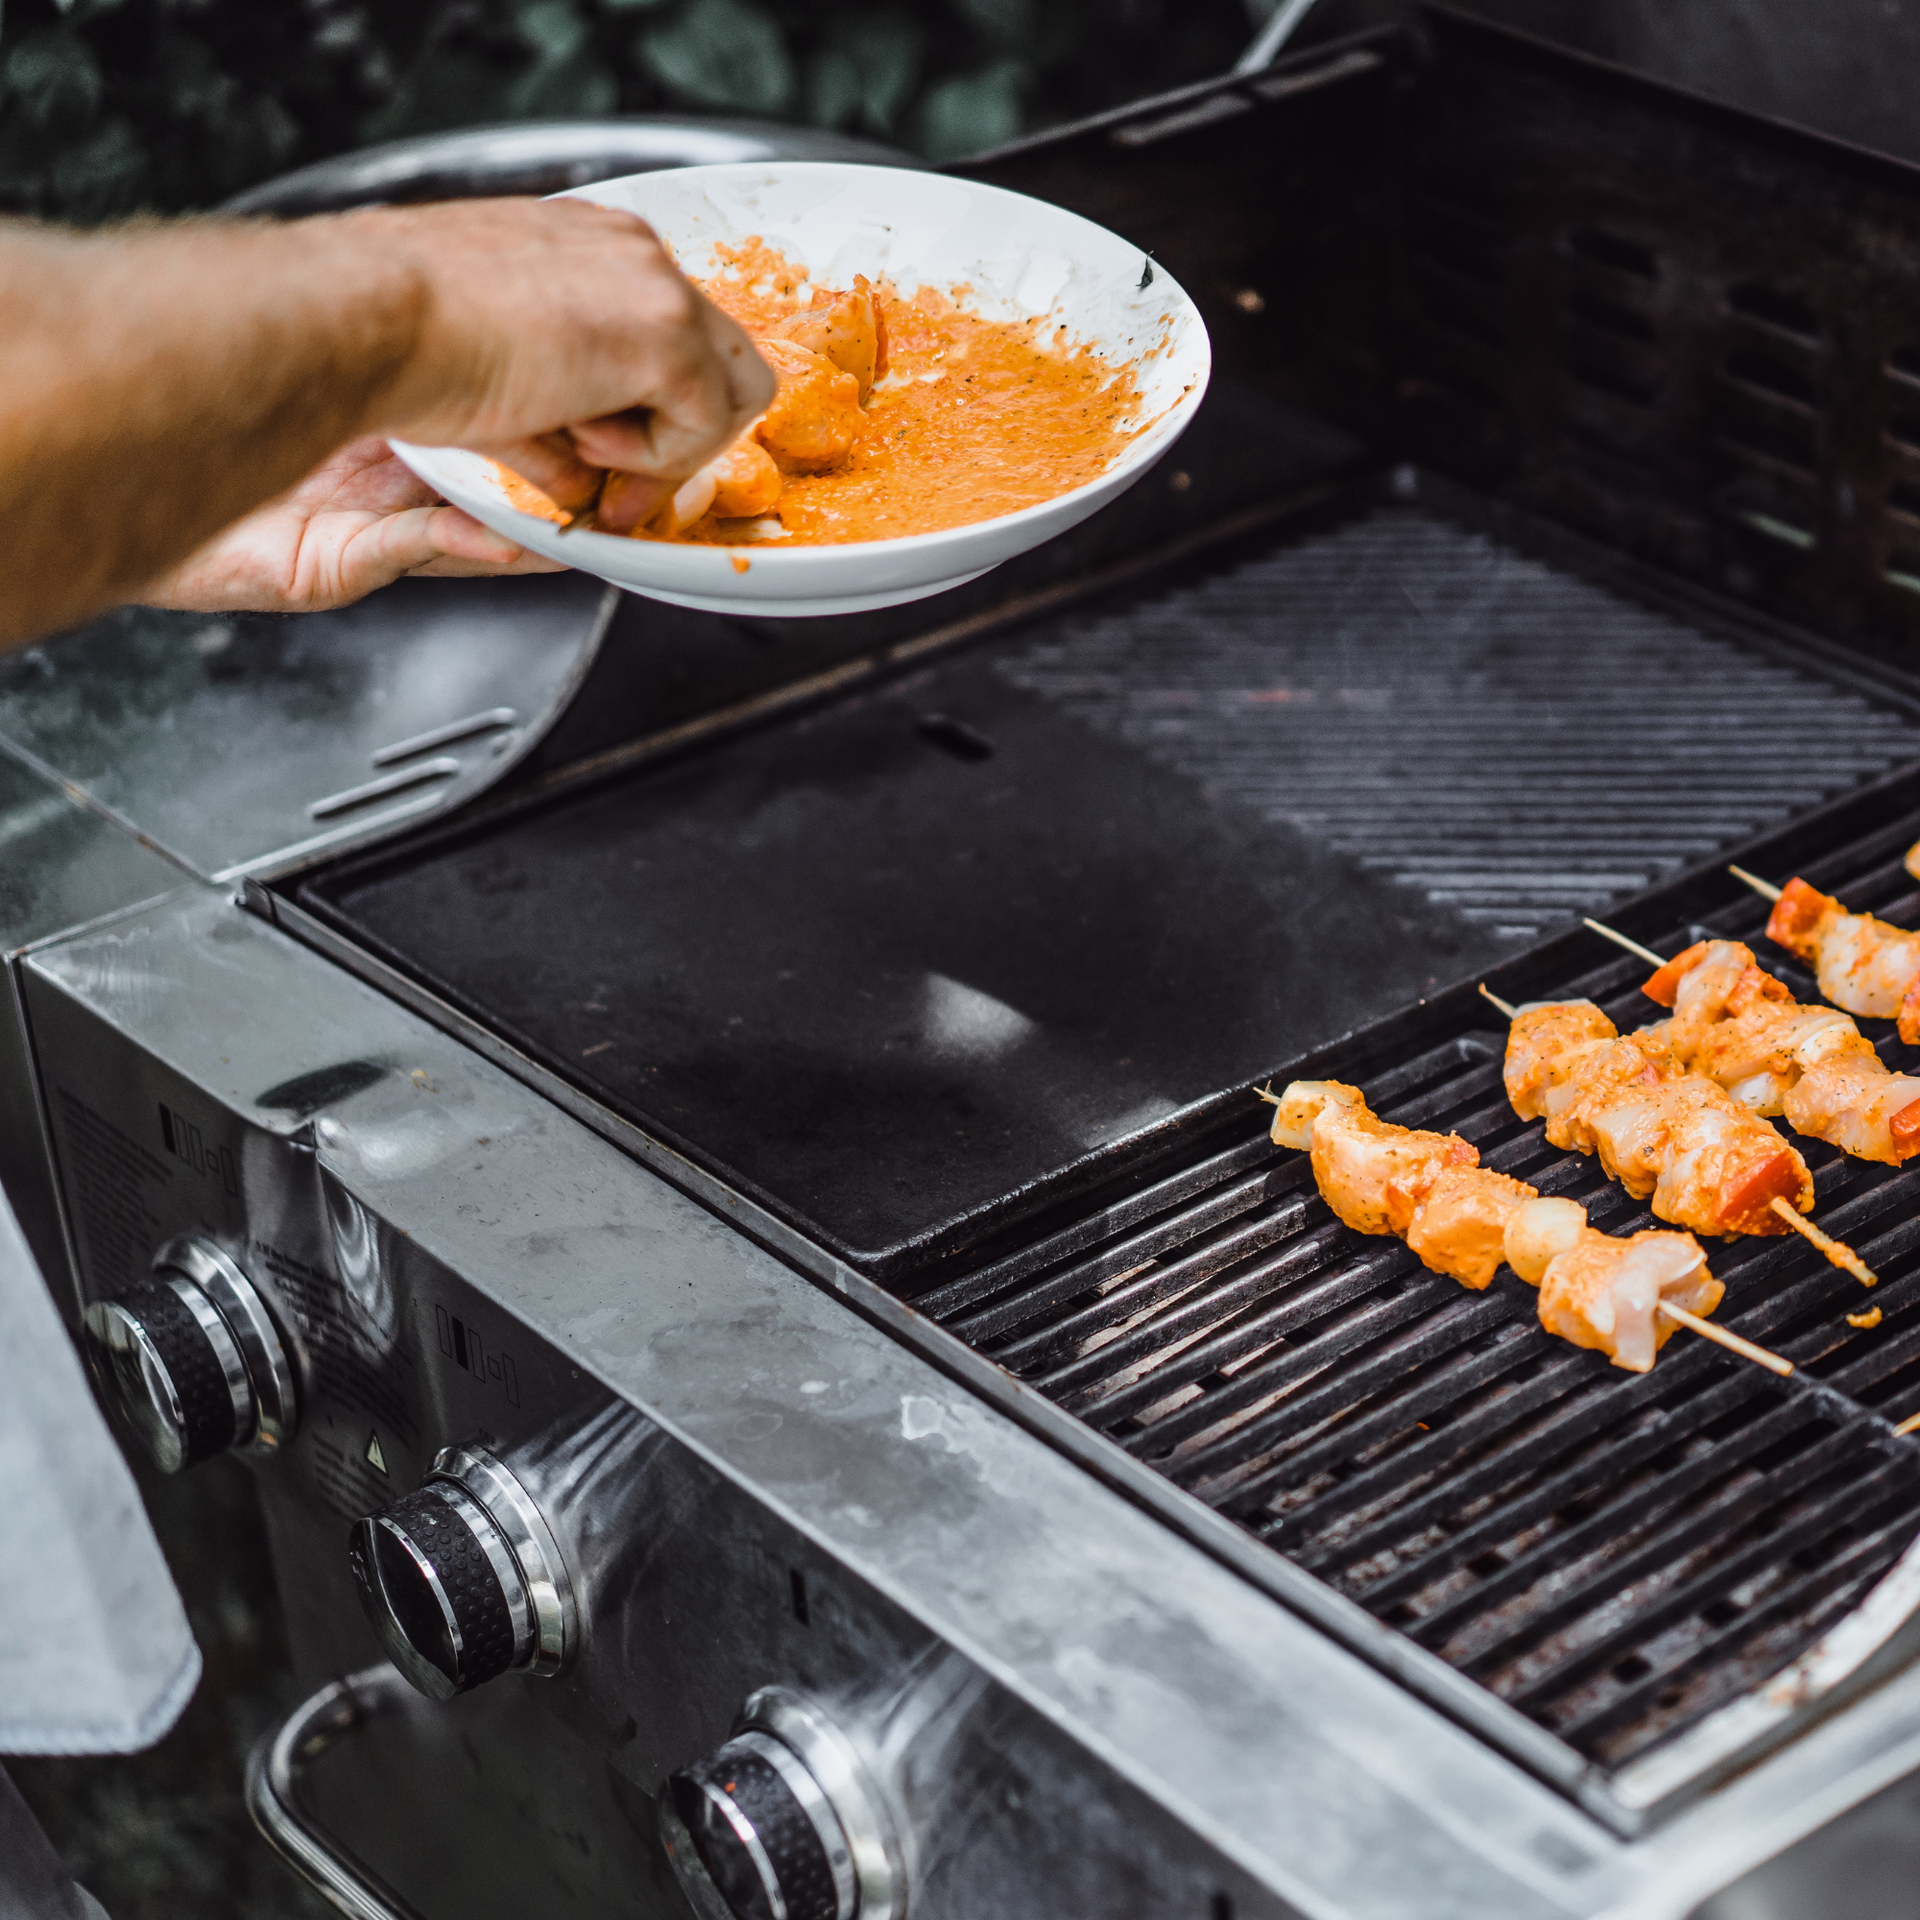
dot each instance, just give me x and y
(1614, 1556)
(1384, 689)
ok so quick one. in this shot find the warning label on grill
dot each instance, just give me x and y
(112, 1183)
(345, 1478)
(343, 1372)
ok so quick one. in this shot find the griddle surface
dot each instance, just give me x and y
(924, 959)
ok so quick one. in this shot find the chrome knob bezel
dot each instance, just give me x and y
(269, 1369)
(517, 1518)
(824, 1772)
(145, 1393)
(404, 1529)
(520, 1550)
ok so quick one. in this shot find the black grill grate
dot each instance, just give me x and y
(1614, 1556)
(1388, 687)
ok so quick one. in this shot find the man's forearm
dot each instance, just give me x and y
(161, 382)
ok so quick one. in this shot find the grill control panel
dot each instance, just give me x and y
(783, 1822)
(192, 1360)
(463, 1579)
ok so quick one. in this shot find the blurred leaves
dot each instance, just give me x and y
(866, 72)
(971, 111)
(112, 106)
(721, 54)
(53, 77)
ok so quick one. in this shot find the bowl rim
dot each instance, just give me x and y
(1146, 446)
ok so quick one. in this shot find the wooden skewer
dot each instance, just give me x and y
(1505, 1006)
(1842, 1255)
(1620, 940)
(1731, 1341)
(1909, 1425)
(1764, 888)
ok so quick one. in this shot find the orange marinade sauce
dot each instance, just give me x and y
(975, 418)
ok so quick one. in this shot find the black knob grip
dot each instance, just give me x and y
(736, 1805)
(435, 1594)
(174, 1369)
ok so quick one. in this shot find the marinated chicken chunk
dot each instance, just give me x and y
(1742, 1027)
(815, 414)
(1607, 1293)
(1865, 965)
(1462, 1219)
(1667, 1134)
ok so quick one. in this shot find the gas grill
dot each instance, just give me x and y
(754, 1190)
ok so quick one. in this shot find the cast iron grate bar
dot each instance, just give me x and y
(1634, 748)
(1613, 1555)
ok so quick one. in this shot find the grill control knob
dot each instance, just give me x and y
(462, 1578)
(783, 1822)
(192, 1359)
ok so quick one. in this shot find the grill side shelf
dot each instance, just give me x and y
(1623, 1559)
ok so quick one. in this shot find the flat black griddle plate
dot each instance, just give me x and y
(909, 967)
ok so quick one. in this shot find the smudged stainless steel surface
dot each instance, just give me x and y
(756, 1429)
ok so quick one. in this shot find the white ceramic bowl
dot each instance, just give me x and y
(1019, 256)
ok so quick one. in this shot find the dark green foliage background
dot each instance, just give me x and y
(109, 107)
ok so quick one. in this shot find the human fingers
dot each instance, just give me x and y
(397, 543)
(709, 391)
(628, 499)
(450, 568)
(465, 547)
(344, 556)
(750, 380)
(552, 462)
(686, 419)
(537, 315)
(577, 313)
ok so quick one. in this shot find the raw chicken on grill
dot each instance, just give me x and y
(1740, 1026)
(1597, 1291)
(1661, 1130)
(1463, 1219)
(1864, 965)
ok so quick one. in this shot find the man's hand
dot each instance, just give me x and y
(163, 382)
(560, 337)
(358, 522)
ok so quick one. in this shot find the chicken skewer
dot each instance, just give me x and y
(1863, 964)
(1668, 1135)
(1622, 1297)
(1663, 1132)
(1739, 1024)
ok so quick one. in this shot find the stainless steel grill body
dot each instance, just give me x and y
(1594, 1571)
(1072, 1709)
(1151, 1546)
